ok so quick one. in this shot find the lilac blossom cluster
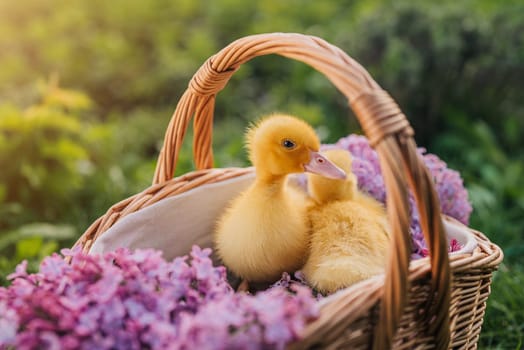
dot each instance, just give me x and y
(448, 184)
(136, 300)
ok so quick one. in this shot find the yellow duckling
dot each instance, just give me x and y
(349, 239)
(265, 230)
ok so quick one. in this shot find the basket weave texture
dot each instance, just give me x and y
(436, 302)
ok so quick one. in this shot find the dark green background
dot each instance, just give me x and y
(87, 88)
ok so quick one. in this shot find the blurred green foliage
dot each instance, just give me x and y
(503, 326)
(45, 154)
(31, 242)
(87, 89)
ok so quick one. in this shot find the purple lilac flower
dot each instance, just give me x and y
(267, 320)
(136, 300)
(448, 184)
(8, 322)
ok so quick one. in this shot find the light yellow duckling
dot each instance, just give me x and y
(265, 230)
(349, 239)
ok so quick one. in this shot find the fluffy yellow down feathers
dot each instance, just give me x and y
(349, 231)
(273, 227)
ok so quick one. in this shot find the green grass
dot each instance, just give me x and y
(504, 320)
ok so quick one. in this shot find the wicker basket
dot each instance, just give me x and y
(436, 302)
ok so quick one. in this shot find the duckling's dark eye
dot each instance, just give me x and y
(288, 144)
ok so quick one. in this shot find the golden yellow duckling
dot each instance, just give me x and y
(265, 230)
(349, 239)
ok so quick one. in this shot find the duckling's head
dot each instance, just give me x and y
(324, 190)
(281, 144)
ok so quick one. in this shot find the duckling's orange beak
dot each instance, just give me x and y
(320, 165)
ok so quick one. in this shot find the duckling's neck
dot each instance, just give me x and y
(271, 182)
(326, 190)
(276, 196)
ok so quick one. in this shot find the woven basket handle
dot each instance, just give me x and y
(389, 133)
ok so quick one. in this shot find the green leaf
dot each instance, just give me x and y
(47, 248)
(28, 247)
(42, 230)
